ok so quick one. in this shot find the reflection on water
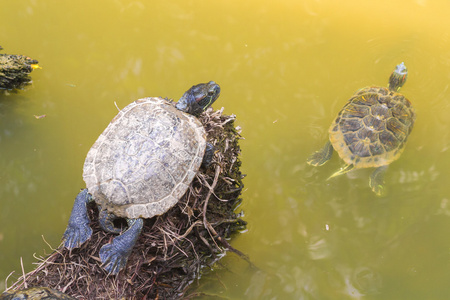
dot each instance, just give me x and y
(318, 248)
(285, 68)
(367, 281)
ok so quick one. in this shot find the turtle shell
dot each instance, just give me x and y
(372, 128)
(144, 161)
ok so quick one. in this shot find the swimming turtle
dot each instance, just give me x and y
(370, 130)
(139, 167)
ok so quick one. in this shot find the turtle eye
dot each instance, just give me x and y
(214, 91)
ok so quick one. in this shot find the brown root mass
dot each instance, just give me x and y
(173, 248)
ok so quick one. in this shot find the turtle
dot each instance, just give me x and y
(15, 71)
(35, 293)
(371, 130)
(139, 167)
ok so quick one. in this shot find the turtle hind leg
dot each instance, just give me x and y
(376, 180)
(114, 256)
(78, 230)
(341, 171)
(321, 156)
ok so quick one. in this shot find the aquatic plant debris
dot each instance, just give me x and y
(174, 248)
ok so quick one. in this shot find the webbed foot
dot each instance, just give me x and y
(75, 236)
(78, 230)
(114, 256)
(321, 156)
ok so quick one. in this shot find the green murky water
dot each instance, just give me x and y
(285, 68)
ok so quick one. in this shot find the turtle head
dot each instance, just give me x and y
(398, 77)
(198, 98)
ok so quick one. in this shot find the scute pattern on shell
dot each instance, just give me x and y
(144, 161)
(372, 128)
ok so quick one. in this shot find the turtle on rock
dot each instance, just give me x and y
(370, 130)
(139, 167)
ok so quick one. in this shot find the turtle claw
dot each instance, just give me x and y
(321, 156)
(315, 160)
(114, 256)
(113, 259)
(379, 190)
(75, 236)
(78, 230)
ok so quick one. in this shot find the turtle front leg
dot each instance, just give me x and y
(78, 230)
(114, 256)
(321, 156)
(376, 181)
(208, 156)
